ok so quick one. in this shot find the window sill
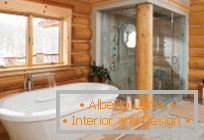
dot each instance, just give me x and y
(32, 69)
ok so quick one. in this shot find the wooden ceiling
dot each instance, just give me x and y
(95, 1)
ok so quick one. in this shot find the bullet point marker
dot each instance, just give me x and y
(188, 121)
(82, 105)
(65, 120)
(171, 105)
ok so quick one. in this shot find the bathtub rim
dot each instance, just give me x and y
(13, 118)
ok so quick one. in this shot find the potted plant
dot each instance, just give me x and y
(98, 73)
(201, 90)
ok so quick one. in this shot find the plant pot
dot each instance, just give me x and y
(96, 79)
(201, 92)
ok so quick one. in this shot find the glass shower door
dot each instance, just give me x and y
(166, 52)
(167, 55)
(162, 54)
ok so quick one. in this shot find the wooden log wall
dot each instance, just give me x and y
(80, 56)
(196, 43)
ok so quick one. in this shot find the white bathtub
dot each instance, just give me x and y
(32, 115)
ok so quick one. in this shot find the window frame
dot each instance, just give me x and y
(30, 40)
(38, 10)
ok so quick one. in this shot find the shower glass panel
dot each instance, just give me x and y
(118, 46)
(169, 41)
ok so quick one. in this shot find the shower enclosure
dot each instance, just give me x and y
(118, 47)
(169, 46)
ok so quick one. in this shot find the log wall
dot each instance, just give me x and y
(196, 43)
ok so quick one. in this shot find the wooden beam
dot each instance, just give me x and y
(144, 51)
(77, 6)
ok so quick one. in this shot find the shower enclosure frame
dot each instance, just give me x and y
(96, 26)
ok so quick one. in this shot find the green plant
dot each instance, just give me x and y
(202, 81)
(100, 72)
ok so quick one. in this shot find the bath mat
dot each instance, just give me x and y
(185, 109)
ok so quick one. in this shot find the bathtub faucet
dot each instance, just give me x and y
(28, 81)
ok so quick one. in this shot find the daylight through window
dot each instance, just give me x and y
(15, 33)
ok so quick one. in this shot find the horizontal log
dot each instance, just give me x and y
(196, 75)
(193, 2)
(196, 63)
(82, 72)
(81, 47)
(15, 84)
(77, 6)
(196, 42)
(11, 83)
(40, 82)
(65, 76)
(194, 8)
(197, 31)
(81, 20)
(196, 19)
(81, 33)
(85, 70)
(81, 59)
(196, 52)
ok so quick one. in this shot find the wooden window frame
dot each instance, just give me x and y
(33, 9)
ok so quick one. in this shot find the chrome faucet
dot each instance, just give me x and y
(28, 82)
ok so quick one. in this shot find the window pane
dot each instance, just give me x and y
(13, 39)
(46, 37)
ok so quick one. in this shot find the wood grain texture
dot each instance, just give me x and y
(77, 6)
(81, 47)
(196, 8)
(196, 18)
(144, 49)
(81, 33)
(193, 2)
(196, 52)
(197, 30)
(81, 21)
(81, 59)
(196, 43)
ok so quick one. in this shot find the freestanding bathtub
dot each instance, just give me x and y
(32, 115)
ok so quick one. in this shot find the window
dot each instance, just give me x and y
(33, 34)
(46, 41)
(13, 30)
(14, 37)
